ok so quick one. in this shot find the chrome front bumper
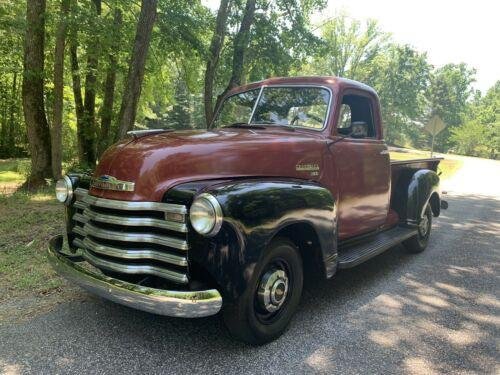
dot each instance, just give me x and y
(186, 304)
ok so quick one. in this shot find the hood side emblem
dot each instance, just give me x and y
(112, 183)
(313, 168)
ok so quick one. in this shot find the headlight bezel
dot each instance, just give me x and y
(217, 215)
(68, 184)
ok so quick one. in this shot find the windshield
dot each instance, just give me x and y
(305, 107)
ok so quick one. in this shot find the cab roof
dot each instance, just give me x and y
(334, 83)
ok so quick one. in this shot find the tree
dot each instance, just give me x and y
(400, 75)
(213, 58)
(109, 84)
(58, 91)
(137, 64)
(347, 47)
(479, 135)
(449, 91)
(33, 95)
(240, 46)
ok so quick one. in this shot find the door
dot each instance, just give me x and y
(362, 166)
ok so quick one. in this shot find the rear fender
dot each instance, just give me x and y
(423, 185)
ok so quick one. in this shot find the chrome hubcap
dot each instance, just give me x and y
(423, 226)
(273, 289)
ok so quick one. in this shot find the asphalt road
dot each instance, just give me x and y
(436, 312)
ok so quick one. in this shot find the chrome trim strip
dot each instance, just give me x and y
(135, 206)
(142, 133)
(135, 237)
(81, 192)
(80, 218)
(133, 221)
(81, 205)
(79, 230)
(255, 105)
(134, 269)
(187, 304)
(131, 254)
(106, 182)
(78, 242)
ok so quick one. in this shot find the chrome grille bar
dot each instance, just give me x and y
(135, 206)
(107, 234)
(131, 221)
(134, 268)
(79, 230)
(133, 254)
(117, 236)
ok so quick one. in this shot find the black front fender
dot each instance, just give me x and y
(255, 211)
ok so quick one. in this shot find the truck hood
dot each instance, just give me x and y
(155, 163)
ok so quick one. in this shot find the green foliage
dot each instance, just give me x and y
(347, 48)
(282, 42)
(449, 92)
(479, 135)
(400, 75)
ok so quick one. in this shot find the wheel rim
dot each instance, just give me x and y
(273, 291)
(423, 226)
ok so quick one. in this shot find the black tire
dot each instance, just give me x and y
(247, 319)
(418, 243)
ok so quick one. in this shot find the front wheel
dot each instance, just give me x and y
(418, 243)
(264, 311)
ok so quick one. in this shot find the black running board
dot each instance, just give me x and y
(352, 255)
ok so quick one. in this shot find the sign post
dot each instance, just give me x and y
(434, 127)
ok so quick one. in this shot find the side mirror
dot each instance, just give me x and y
(359, 129)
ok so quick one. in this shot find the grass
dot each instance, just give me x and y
(13, 172)
(28, 221)
(446, 168)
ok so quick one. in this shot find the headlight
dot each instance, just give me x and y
(206, 215)
(64, 190)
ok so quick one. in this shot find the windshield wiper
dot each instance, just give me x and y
(244, 125)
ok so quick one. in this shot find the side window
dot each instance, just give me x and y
(356, 117)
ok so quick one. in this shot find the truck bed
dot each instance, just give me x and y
(429, 163)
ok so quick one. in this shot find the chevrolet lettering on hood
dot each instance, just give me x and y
(112, 183)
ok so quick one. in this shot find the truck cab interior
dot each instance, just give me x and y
(356, 117)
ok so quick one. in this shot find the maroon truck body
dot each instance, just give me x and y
(158, 162)
(187, 223)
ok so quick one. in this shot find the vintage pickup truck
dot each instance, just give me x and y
(293, 180)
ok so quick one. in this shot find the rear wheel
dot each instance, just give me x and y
(264, 311)
(418, 243)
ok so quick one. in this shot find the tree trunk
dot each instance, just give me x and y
(213, 58)
(3, 122)
(77, 94)
(240, 47)
(88, 120)
(109, 85)
(132, 91)
(58, 91)
(32, 91)
(13, 104)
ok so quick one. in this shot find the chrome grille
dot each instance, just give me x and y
(132, 237)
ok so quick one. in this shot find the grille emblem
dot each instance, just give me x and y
(112, 183)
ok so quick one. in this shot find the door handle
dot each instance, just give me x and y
(384, 152)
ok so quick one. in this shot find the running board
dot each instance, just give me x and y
(352, 255)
